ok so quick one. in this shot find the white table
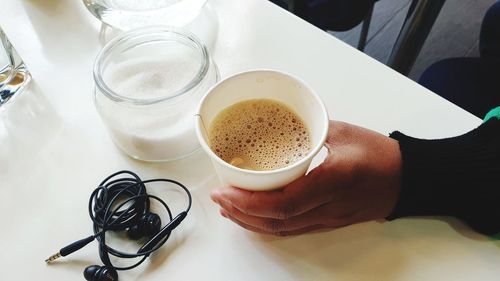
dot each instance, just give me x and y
(54, 151)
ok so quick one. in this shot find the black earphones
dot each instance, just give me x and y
(100, 273)
(121, 203)
(148, 225)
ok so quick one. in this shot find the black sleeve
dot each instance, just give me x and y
(458, 177)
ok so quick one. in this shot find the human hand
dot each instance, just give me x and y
(358, 181)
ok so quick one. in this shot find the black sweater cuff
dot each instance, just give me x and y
(457, 176)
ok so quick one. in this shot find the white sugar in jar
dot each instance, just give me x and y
(148, 82)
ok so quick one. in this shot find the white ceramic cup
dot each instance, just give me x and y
(268, 84)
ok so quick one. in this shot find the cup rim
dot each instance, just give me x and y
(308, 157)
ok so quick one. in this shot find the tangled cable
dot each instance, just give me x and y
(121, 203)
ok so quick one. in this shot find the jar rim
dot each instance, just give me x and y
(129, 36)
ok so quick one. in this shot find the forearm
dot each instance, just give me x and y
(457, 177)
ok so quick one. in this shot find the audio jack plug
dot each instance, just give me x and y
(73, 247)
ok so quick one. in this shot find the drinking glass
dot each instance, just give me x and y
(13, 73)
(129, 14)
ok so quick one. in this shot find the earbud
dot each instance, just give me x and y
(100, 273)
(149, 225)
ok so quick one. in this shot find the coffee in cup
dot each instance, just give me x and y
(259, 135)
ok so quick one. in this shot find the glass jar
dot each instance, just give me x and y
(148, 82)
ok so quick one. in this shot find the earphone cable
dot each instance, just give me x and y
(107, 214)
(118, 204)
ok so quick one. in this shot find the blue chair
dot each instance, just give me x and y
(335, 15)
(342, 15)
(471, 83)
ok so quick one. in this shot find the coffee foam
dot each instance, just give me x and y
(260, 134)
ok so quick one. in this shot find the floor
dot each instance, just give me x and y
(455, 33)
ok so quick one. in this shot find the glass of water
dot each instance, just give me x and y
(13, 73)
(129, 14)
